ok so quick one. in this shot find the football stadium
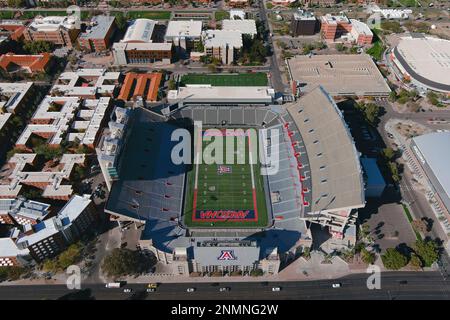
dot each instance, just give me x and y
(226, 211)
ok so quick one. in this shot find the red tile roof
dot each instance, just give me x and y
(34, 63)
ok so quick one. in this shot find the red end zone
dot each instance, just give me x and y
(224, 214)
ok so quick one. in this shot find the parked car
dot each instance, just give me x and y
(336, 285)
(190, 290)
(224, 289)
(127, 290)
(276, 289)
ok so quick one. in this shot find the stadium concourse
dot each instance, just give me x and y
(158, 193)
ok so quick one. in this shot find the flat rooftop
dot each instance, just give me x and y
(427, 59)
(184, 28)
(100, 26)
(207, 93)
(340, 75)
(15, 92)
(52, 23)
(246, 26)
(220, 38)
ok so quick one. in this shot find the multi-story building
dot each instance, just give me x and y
(86, 84)
(109, 150)
(11, 62)
(238, 3)
(341, 28)
(98, 34)
(142, 53)
(184, 34)
(48, 238)
(58, 30)
(144, 85)
(222, 44)
(304, 23)
(138, 46)
(246, 26)
(12, 28)
(333, 27)
(360, 33)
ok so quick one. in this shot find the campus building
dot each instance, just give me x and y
(28, 63)
(340, 28)
(222, 44)
(304, 23)
(139, 45)
(246, 26)
(86, 84)
(340, 75)
(144, 85)
(44, 240)
(60, 30)
(98, 34)
(12, 29)
(424, 61)
(184, 34)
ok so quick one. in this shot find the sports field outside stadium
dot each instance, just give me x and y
(226, 195)
(256, 79)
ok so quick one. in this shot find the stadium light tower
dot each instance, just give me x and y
(137, 205)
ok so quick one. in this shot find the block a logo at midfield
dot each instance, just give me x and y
(227, 255)
(223, 169)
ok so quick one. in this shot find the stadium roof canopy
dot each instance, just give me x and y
(336, 175)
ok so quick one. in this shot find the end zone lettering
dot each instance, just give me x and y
(225, 214)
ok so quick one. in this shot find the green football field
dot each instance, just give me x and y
(232, 188)
(233, 80)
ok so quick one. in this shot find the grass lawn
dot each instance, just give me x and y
(231, 190)
(234, 80)
(157, 15)
(376, 50)
(7, 14)
(410, 219)
(221, 15)
(32, 14)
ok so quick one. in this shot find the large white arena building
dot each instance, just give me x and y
(423, 60)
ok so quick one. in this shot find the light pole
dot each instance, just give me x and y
(137, 206)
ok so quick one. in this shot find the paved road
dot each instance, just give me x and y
(419, 285)
(275, 71)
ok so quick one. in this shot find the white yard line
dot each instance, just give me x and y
(197, 157)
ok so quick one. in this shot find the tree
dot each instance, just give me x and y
(36, 47)
(11, 273)
(122, 262)
(121, 21)
(415, 262)
(172, 84)
(392, 96)
(427, 251)
(389, 153)
(393, 259)
(367, 257)
(48, 152)
(269, 5)
(70, 256)
(340, 47)
(256, 273)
